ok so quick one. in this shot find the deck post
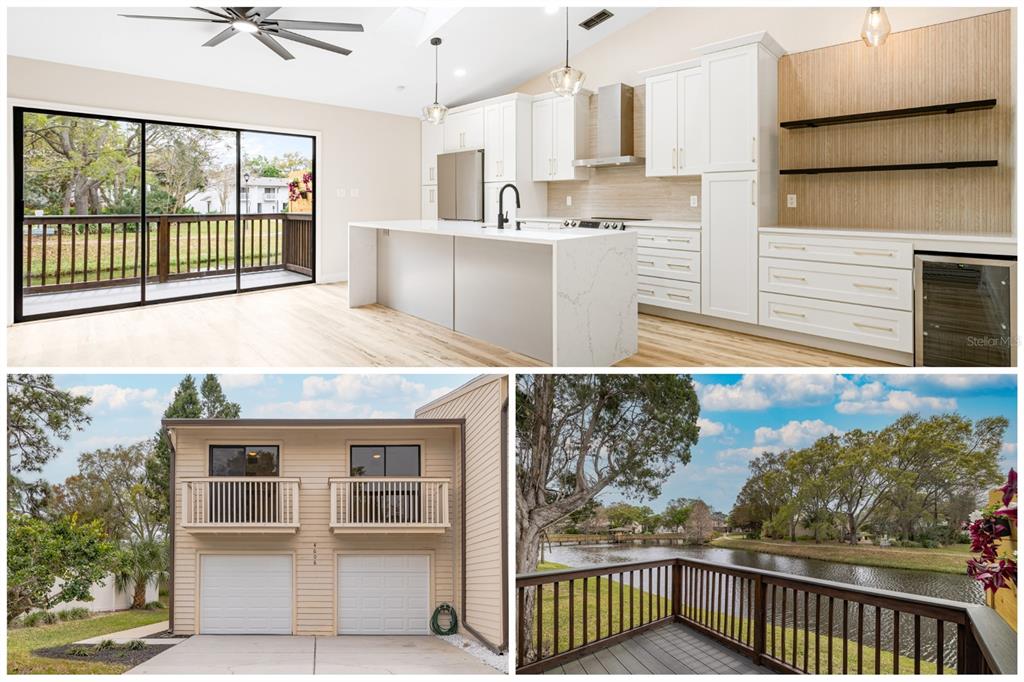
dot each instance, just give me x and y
(969, 660)
(163, 248)
(759, 619)
(677, 589)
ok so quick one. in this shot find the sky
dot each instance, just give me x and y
(126, 408)
(742, 416)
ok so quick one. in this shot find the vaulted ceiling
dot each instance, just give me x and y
(391, 67)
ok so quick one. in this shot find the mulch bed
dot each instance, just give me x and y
(110, 655)
(166, 634)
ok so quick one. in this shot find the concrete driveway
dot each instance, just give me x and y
(247, 654)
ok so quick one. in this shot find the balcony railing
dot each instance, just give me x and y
(787, 623)
(61, 253)
(222, 503)
(389, 503)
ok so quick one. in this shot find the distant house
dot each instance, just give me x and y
(259, 195)
(631, 528)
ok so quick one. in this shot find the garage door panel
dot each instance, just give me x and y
(384, 594)
(246, 594)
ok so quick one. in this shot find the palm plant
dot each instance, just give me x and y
(140, 562)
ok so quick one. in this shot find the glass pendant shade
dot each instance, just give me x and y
(435, 113)
(567, 81)
(876, 27)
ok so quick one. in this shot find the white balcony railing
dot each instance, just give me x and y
(389, 503)
(222, 502)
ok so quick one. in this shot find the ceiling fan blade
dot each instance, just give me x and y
(263, 12)
(288, 35)
(220, 37)
(219, 15)
(150, 16)
(317, 25)
(273, 45)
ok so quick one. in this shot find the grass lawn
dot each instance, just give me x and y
(952, 559)
(22, 641)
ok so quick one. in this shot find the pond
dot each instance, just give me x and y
(929, 583)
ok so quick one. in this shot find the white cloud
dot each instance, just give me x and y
(113, 397)
(744, 454)
(875, 398)
(957, 382)
(795, 434)
(1009, 448)
(359, 386)
(710, 429)
(229, 381)
(100, 442)
(322, 408)
(760, 391)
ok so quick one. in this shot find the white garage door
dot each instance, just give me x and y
(246, 594)
(385, 594)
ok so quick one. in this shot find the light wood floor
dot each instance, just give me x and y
(312, 326)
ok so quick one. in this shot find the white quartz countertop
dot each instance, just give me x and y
(923, 241)
(679, 224)
(465, 228)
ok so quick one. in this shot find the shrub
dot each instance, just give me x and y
(134, 645)
(80, 651)
(30, 620)
(105, 644)
(76, 613)
(154, 605)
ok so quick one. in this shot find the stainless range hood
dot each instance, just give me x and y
(614, 129)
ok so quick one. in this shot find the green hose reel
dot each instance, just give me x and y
(453, 620)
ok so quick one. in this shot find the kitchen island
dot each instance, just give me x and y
(566, 297)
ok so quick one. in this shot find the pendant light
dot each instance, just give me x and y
(435, 112)
(567, 81)
(876, 27)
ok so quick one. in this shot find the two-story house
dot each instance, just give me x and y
(343, 526)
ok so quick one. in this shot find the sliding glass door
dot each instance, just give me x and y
(119, 212)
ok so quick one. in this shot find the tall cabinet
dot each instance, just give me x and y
(740, 169)
(431, 144)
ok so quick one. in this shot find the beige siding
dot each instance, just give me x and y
(314, 455)
(479, 403)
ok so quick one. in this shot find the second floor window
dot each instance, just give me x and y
(245, 460)
(385, 460)
(270, 192)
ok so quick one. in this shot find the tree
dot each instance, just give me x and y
(815, 493)
(858, 481)
(179, 159)
(700, 525)
(38, 414)
(677, 512)
(623, 514)
(766, 491)
(53, 562)
(214, 403)
(579, 434)
(138, 564)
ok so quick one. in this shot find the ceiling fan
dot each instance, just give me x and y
(256, 22)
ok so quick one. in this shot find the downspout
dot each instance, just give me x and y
(170, 583)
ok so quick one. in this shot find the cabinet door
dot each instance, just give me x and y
(454, 131)
(473, 128)
(729, 246)
(661, 123)
(428, 210)
(431, 144)
(564, 138)
(692, 133)
(543, 139)
(731, 77)
(494, 150)
(508, 142)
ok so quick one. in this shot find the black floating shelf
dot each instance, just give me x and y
(931, 110)
(944, 165)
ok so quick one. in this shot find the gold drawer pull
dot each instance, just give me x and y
(680, 297)
(880, 287)
(791, 247)
(679, 266)
(685, 240)
(646, 262)
(795, 278)
(649, 292)
(873, 327)
(790, 314)
(645, 236)
(862, 252)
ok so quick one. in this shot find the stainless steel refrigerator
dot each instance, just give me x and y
(460, 186)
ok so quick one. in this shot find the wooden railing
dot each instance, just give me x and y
(223, 502)
(71, 252)
(363, 503)
(785, 622)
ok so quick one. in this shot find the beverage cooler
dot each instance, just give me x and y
(965, 312)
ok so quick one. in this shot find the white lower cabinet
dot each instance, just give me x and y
(384, 594)
(682, 265)
(668, 293)
(882, 287)
(668, 267)
(872, 326)
(245, 594)
(729, 246)
(428, 207)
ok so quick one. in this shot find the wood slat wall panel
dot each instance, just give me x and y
(968, 59)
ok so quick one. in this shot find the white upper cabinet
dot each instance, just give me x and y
(559, 130)
(500, 141)
(431, 144)
(675, 134)
(732, 109)
(464, 130)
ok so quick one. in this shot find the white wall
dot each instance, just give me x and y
(668, 35)
(372, 155)
(106, 597)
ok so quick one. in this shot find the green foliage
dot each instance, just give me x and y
(38, 413)
(105, 644)
(139, 563)
(83, 651)
(41, 552)
(134, 645)
(76, 613)
(215, 404)
(154, 605)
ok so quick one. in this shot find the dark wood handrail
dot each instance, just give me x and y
(754, 611)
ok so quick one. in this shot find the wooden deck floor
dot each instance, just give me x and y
(672, 649)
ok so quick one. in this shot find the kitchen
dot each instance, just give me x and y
(765, 207)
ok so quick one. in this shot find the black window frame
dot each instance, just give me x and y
(209, 458)
(385, 446)
(18, 208)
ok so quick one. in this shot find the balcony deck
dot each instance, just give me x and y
(670, 649)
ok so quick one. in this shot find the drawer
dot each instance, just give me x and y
(667, 238)
(682, 265)
(881, 327)
(860, 284)
(668, 293)
(852, 251)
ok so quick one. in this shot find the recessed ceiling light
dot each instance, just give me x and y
(400, 88)
(551, 9)
(459, 73)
